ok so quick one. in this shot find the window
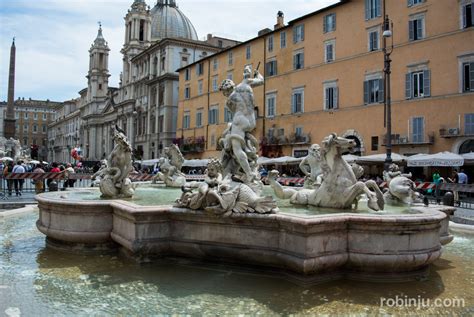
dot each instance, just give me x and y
(26, 115)
(270, 105)
(416, 28)
(373, 91)
(467, 14)
(418, 128)
(25, 141)
(270, 43)
(200, 87)
(282, 39)
(35, 116)
(248, 52)
(44, 116)
(230, 76)
(417, 84)
(187, 74)
(215, 86)
(230, 58)
(297, 100)
(163, 60)
(215, 63)
(17, 115)
(329, 55)
(220, 43)
(199, 69)
(271, 68)
(298, 33)
(187, 92)
(468, 77)
(330, 97)
(214, 115)
(298, 60)
(186, 120)
(199, 118)
(329, 23)
(228, 115)
(35, 128)
(373, 40)
(299, 131)
(25, 127)
(469, 123)
(142, 30)
(44, 128)
(414, 2)
(372, 9)
(375, 143)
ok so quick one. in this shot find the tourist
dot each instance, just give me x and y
(68, 171)
(39, 183)
(18, 169)
(437, 182)
(7, 170)
(462, 177)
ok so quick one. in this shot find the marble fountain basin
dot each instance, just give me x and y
(370, 246)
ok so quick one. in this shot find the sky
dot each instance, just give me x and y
(52, 37)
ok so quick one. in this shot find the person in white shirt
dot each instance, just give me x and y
(19, 168)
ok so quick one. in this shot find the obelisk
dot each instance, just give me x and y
(9, 128)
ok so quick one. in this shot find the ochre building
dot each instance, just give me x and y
(324, 72)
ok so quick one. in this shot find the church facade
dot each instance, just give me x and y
(157, 42)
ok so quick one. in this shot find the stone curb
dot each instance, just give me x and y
(460, 228)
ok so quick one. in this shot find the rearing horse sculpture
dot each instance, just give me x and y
(340, 188)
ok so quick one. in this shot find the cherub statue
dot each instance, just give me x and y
(311, 167)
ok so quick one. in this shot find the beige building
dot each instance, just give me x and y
(32, 118)
(324, 73)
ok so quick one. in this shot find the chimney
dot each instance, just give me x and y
(264, 31)
(280, 20)
(209, 37)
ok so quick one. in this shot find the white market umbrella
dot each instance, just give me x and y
(447, 159)
(350, 158)
(284, 160)
(380, 158)
(34, 162)
(46, 163)
(196, 162)
(468, 156)
(6, 158)
(262, 160)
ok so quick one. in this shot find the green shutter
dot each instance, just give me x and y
(378, 11)
(367, 9)
(333, 21)
(471, 76)
(325, 21)
(408, 86)
(294, 34)
(411, 32)
(302, 32)
(336, 98)
(426, 83)
(381, 91)
(366, 92)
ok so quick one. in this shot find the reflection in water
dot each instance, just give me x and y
(39, 281)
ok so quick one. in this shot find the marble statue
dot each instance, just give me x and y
(170, 168)
(239, 153)
(100, 174)
(233, 184)
(12, 148)
(339, 187)
(401, 189)
(115, 182)
(311, 167)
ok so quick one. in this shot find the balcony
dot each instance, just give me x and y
(191, 144)
(293, 138)
(454, 132)
(401, 140)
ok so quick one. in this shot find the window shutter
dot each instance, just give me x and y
(366, 92)
(471, 76)
(302, 32)
(267, 69)
(302, 60)
(408, 86)
(336, 98)
(410, 3)
(426, 83)
(294, 61)
(411, 31)
(325, 28)
(293, 102)
(294, 35)
(381, 91)
(377, 8)
(334, 21)
(419, 29)
(472, 13)
(326, 105)
(367, 12)
(464, 16)
(275, 70)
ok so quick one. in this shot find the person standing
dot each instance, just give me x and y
(7, 170)
(39, 183)
(18, 169)
(437, 182)
(68, 182)
(455, 179)
(462, 177)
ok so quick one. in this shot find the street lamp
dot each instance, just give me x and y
(387, 33)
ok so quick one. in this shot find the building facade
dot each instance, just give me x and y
(157, 42)
(324, 72)
(32, 118)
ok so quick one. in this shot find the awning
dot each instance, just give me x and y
(380, 158)
(439, 159)
(196, 163)
(283, 160)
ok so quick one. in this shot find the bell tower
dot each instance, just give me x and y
(98, 75)
(137, 35)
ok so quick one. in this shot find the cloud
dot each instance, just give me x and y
(54, 36)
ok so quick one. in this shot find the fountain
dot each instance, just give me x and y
(232, 218)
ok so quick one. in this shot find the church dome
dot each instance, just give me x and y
(168, 21)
